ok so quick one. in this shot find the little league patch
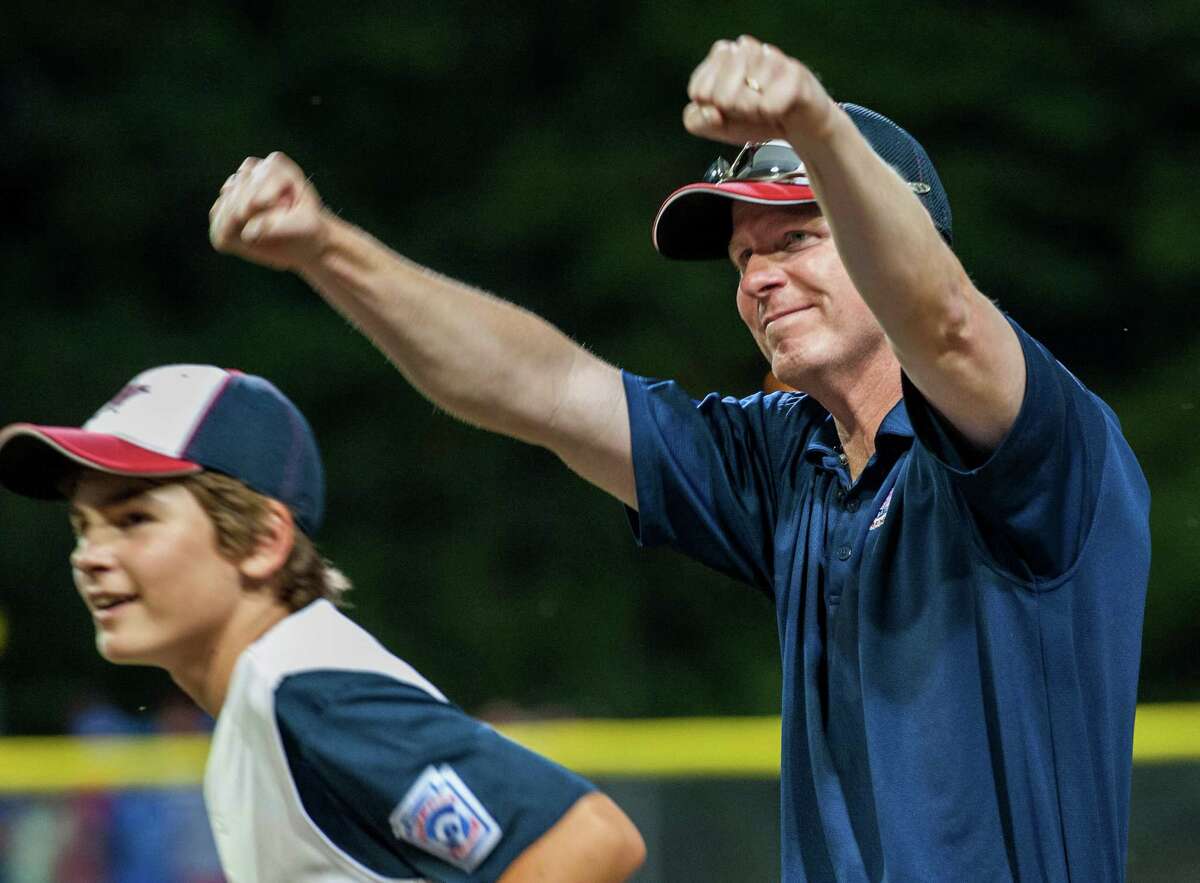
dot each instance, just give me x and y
(440, 815)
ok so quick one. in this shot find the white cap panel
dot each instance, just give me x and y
(161, 408)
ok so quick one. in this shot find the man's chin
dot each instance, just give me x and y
(816, 364)
(792, 373)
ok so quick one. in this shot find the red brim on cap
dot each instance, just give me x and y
(695, 222)
(33, 459)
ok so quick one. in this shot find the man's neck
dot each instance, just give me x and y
(858, 436)
(206, 676)
(858, 403)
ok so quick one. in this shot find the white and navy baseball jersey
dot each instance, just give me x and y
(333, 760)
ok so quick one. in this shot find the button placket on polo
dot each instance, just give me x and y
(846, 521)
(839, 530)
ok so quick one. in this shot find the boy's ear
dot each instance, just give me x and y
(274, 544)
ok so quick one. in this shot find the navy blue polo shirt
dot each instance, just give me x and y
(960, 640)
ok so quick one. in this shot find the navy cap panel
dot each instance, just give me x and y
(254, 434)
(899, 149)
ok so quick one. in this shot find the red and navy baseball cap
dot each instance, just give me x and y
(178, 420)
(696, 221)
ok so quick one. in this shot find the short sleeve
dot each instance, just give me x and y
(706, 474)
(408, 785)
(1034, 497)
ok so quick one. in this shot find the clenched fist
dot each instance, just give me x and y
(269, 213)
(745, 90)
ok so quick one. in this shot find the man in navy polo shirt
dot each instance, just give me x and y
(952, 527)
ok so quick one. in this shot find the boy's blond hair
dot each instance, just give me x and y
(239, 515)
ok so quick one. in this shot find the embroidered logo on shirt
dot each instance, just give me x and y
(440, 815)
(881, 516)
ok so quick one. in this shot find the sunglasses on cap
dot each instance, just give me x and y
(770, 161)
(759, 161)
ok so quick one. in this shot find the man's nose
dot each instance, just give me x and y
(762, 276)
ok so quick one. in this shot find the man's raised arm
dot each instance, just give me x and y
(482, 359)
(954, 344)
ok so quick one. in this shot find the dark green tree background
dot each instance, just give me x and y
(525, 149)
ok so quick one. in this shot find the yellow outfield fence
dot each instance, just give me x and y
(744, 748)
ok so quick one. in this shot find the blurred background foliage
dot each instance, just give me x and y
(525, 149)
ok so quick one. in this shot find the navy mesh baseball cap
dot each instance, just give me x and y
(696, 221)
(177, 420)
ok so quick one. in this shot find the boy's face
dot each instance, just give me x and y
(147, 565)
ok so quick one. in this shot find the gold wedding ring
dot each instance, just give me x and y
(753, 85)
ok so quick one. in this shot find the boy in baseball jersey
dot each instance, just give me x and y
(194, 493)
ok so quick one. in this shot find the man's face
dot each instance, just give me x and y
(146, 564)
(796, 297)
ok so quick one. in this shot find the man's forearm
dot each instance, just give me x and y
(485, 360)
(953, 343)
(909, 277)
(482, 359)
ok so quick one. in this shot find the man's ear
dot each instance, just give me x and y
(274, 544)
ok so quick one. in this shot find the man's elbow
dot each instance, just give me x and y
(951, 315)
(949, 333)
